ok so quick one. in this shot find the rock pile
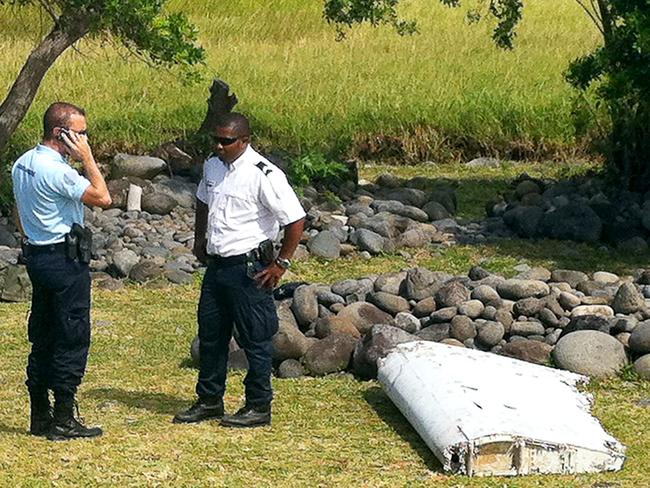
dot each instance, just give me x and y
(587, 324)
(582, 209)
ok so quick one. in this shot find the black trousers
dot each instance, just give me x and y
(59, 323)
(230, 299)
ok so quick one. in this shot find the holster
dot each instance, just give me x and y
(78, 243)
(266, 252)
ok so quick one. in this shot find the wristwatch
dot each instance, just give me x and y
(283, 263)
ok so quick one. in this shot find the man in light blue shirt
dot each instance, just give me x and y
(49, 199)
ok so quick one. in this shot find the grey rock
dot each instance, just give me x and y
(568, 300)
(290, 368)
(407, 196)
(124, 261)
(548, 318)
(178, 277)
(325, 244)
(145, 270)
(575, 222)
(569, 276)
(642, 367)
(391, 282)
(483, 162)
(16, 286)
(628, 299)
(524, 220)
(587, 322)
(434, 333)
(640, 339)
(462, 328)
(477, 273)
(446, 197)
(530, 351)
(183, 192)
(364, 316)
(421, 283)
(368, 240)
(327, 298)
(471, 308)
(590, 352)
(528, 306)
(305, 305)
(490, 334)
(7, 238)
(329, 355)
(452, 294)
(443, 314)
(606, 277)
(503, 316)
(527, 328)
(375, 345)
(436, 211)
(333, 324)
(158, 203)
(424, 307)
(603, 310)
(288, 342)
(536, 273)
(392, 304)
(516, 289)
(146, 167)
(526, 187)
(486, 294)
(407, 322)
(489, 313)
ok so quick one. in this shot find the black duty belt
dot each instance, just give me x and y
(225, 261)
(33, 250)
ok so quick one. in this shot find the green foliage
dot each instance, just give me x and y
(315, 168)
(345, 13)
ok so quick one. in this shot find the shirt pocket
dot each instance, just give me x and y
(238, 208)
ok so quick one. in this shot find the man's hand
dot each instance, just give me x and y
(270, 276)
(78, 146)
(200, 251)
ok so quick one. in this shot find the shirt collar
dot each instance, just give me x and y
(42, 148)
(241, 160)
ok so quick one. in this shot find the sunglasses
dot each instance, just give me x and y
(65, 130)
(225, 141)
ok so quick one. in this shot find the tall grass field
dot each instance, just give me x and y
(307, 92)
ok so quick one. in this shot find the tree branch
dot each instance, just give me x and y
(48, 8)
(596, 20)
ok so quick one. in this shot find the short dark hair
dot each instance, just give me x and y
(58, 115)
(236, 121)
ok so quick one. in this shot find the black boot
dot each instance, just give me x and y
(40, 419)
(203, 409)
(66, 426)
(249, 416)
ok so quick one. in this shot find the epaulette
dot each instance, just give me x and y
(262, 166)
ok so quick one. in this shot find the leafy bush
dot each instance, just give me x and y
(315, 168)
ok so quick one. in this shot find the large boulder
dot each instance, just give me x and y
(420, 283)
(305, 305)
(628, 299)
(333, 324)
(642, 367)
(524, 220)
(590, 352)
(452, 294)
(15, 285)
(575, 222)
(364, 315)
(367, 240)
(145, 167)
(288, 342)
(375, 345)
(329, 355)
(388, 302)
(325, 244)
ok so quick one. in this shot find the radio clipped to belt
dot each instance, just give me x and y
(78, 243)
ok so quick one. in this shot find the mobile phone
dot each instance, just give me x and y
(63, 131)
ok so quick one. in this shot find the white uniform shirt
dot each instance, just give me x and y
(247, 200)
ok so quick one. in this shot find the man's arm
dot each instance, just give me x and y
(270, 277)
(17, 221)
(200, 229)
(97, 193)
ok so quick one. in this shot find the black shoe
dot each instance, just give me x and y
(66, 426)
(72, 429)
(40, 419)
(200, 411)
(248, 417)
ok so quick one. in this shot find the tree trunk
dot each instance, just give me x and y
(23, 91)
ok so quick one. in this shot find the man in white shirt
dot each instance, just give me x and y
(242, 201)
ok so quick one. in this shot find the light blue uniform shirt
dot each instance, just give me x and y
(48, 195)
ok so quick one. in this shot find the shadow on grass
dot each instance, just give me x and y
(9, 429)
(154, 402)
(378, 400)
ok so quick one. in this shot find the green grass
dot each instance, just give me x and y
(332, 431)
(305, 92)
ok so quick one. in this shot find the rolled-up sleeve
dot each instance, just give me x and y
(277, 195)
